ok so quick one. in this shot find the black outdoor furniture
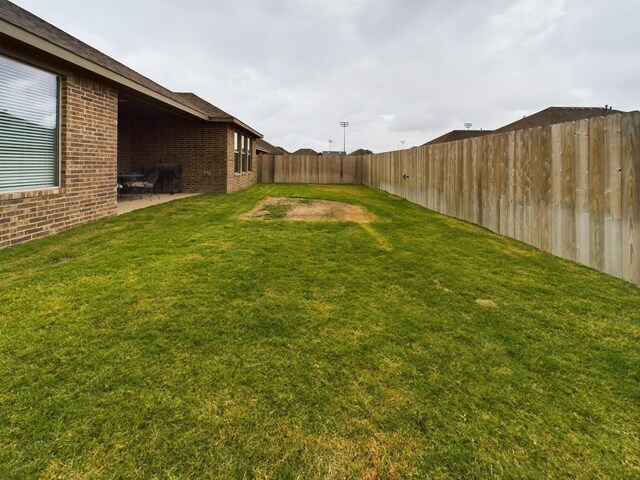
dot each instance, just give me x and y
(126, 180)
(137, 184)
(149, 184)
(170, 174)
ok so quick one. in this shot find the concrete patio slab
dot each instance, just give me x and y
(127, 205)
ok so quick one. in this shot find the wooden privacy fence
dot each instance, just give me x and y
(571, 189)
(310, 169)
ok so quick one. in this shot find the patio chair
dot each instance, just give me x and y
(149, 185)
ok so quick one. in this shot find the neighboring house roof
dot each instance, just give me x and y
(454, 135)
(361, 151)
(305, 151)
(22, 25)
(552, 115)
(284, 152)
(262, 146)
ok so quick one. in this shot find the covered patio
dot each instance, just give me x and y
(150, 138)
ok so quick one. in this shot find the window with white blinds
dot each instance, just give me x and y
(29, 127)
(249, 162)
(236, 153)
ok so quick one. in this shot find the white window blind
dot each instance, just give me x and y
(236, 153)
(28, 127)
(244, 153)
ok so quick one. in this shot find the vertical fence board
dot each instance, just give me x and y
(557, 177)
(569, 191)
(483, 151)
(348, 169)
(583, 241)
(414, 160)
(537, 185)
(546, 240)
(437, 190)
(503, 198)
(596, 193)
(451, 183)
(630, 197)
(519, 186)
(324, 170)
(466, 180)
(488, 195)
(496, 145)
(511, 182)
(443, 180)
(476, 182)
(612, 195)
(424, 176)
(416, 173)
(526, 186)
(278, 165)
(406, 172)
(432, 172)
(395, 179)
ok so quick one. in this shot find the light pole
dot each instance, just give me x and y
(330, 142)
(344, 126)
(402, 143)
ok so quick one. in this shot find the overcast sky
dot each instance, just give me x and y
(395, 69)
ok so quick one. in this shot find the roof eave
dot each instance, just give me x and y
(235, 121)
(46, 46)
(247, 127)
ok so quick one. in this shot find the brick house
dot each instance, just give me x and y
(71, 118)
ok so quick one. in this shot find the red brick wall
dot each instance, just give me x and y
(87, 188)
(238, 181)
(204, 149)
(199, 146)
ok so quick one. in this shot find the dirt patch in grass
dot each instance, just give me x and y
(440, 286)
(308, 210)
(486, 303)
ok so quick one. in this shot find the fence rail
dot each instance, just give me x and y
(571, 189)
(343, 169)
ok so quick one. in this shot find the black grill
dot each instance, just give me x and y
(170, 174)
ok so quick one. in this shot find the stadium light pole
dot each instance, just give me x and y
(344, 126)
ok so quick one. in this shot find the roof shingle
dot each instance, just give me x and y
(25, 20)
(552, 115)
(454, 135)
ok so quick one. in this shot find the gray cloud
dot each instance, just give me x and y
(396, 69)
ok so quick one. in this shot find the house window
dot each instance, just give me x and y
(249, 163)
(29, 127)
(244, 153)
(236, 153)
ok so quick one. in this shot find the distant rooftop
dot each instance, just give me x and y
(552, 115)
(454, 135)
(361, 151)
(305, 151)
(262, 146)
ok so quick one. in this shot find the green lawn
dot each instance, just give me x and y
(183, 342)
